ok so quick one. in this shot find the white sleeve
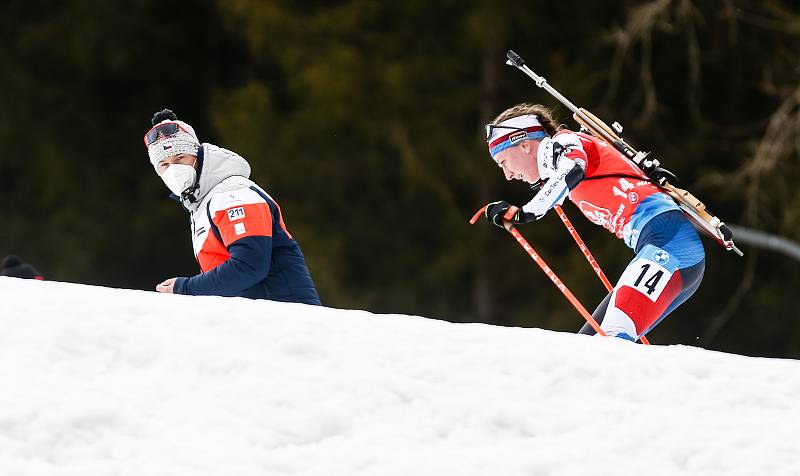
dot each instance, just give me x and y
(553, 192)
(563, 147)
(556, 158)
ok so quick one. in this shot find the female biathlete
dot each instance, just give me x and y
(611, 192)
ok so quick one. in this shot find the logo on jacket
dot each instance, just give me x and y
(661, 257)
(597, 215)
(633, 197)
(239, 229)
(559, 150)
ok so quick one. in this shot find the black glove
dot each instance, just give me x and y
(495, 212)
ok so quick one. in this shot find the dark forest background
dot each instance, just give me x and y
(364, 120)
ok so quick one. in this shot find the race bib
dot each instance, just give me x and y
(647, 276)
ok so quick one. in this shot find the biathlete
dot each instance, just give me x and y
(611, 192)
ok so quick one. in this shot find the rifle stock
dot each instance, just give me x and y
(691, 205)
(600, 129)
(593, 123)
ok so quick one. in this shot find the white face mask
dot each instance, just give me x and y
(179, 177)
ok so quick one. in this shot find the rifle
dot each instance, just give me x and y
(689, 204)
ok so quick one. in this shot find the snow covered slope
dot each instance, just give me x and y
(101, 381)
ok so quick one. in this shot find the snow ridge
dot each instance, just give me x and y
(101, 381)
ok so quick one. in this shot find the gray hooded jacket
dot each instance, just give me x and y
(239, 236)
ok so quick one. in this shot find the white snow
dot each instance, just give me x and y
(100, 381)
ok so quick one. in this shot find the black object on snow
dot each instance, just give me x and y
(13, 266)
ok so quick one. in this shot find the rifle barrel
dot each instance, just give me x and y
(519, 63)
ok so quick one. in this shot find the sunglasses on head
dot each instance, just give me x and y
(165, 129)
(491, 127)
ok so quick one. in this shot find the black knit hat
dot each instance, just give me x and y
(15, 267)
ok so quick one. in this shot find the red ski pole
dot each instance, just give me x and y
(588, 255)
(547, 271)
(583, 247)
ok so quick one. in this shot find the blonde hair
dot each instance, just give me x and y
(543, 114)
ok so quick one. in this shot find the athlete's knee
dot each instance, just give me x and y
(643, 293)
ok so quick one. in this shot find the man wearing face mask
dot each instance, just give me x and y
(240, 239)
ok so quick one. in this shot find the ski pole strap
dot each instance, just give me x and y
(478, 215)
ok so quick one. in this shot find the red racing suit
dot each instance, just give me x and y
(611, 191)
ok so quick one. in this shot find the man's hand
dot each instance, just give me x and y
(166, 286)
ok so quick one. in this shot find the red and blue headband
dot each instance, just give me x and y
(512, 131)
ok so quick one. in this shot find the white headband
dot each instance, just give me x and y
(513, 131)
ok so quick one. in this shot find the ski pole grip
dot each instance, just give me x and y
(515, 59)
(509, 215)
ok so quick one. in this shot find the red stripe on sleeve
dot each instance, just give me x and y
(234, 223)
(578, 153)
